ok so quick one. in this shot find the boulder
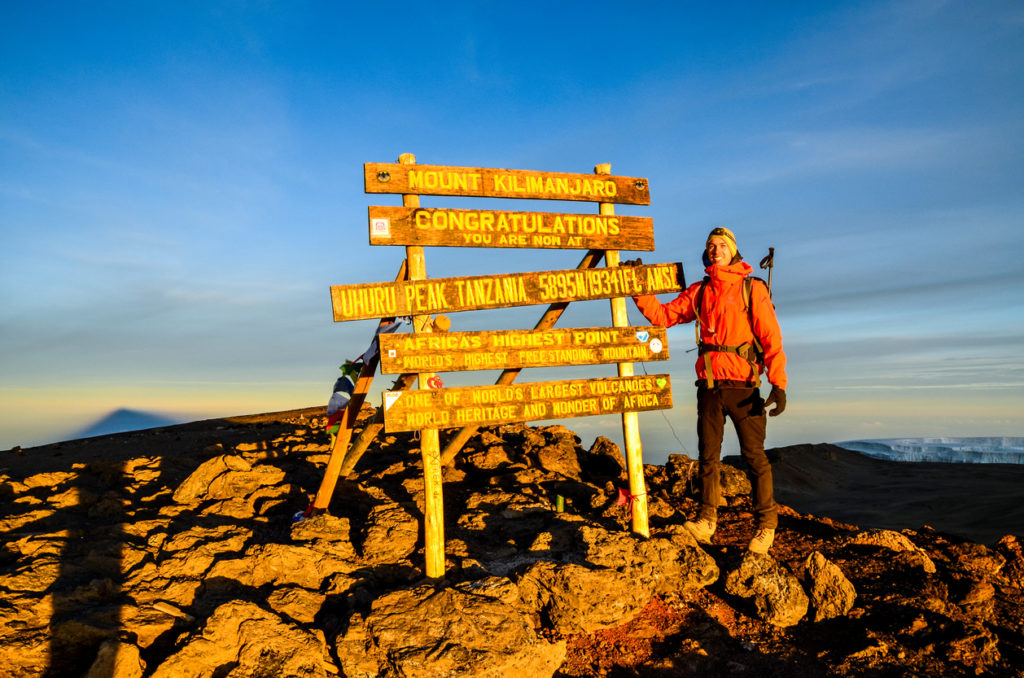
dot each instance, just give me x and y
(226, 477)
(240, 639)
(117, 658)
(604, 459)
(281, 565)
(322, 528)
(189, 554)
(50, 480)
(684, 481)
(1013, 549)
(895, 541)
(490, 458)
(464, 631)
(560, 458)
(831, 593)
(390, 534)
(147, 623)
(735, 481)
(776, 593)
(671, 560)
(143, 469)
(976, 647)
(977, 559)
(296, 603)
(25, 651)
(576, 598)
(259, 502)
(327, 535)
(682, 475)
(31, 574)
(16, 521)
(618, 576)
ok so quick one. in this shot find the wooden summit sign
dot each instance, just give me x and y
(487, 405)
(484, 182)
(517, 349)
(446, 295)
(431, 349)
(502, 228)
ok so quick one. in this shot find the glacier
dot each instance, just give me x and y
(974, 450)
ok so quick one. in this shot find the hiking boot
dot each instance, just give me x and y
(702, 529)
(762, 540)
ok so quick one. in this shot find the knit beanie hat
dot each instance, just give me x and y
(730, 239)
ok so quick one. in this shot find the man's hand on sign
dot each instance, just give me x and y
(632, 262)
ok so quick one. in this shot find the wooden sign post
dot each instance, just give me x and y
(420, 355)
(630, 419)
(430, 445)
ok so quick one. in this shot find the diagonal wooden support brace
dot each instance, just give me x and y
(348, 420)
(590, 260)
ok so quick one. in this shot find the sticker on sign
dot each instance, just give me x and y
(390, 397)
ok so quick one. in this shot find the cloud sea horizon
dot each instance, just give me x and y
(941, 449)
(969, 450)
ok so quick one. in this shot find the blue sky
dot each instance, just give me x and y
(181, 183)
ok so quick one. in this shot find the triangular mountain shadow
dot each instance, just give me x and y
(122, 420)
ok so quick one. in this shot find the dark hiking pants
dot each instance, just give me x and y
(746, 409)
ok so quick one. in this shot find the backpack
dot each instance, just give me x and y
(753, 353)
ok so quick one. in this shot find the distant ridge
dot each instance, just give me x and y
(122, 420)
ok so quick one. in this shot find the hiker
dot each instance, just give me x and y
(733, 317)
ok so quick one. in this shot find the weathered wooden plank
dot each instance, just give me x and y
(503, 228)
(446, 295)
(486, 405)
(379, 177)
(518, 349)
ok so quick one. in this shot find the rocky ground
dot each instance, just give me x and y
(172, 552)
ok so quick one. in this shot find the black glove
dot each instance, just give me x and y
(632, 262)
(778, 397)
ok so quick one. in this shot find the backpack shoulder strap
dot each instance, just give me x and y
(699, 300)
(748, 286)
(696, 330)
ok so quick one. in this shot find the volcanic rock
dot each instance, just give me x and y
(390, 534)
(831, 593)
(777, 594)
(467, 631)
(685, 481)
(895, 541)
(175, 552)
(117, 659)
(242, 639)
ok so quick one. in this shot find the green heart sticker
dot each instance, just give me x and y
(661, 382)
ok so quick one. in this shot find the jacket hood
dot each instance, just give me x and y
(730, 272)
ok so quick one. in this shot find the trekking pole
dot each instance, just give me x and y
(768, 262)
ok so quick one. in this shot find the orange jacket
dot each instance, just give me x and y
(724, 321)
